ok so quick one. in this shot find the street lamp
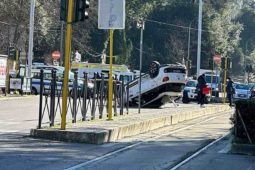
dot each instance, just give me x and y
(199, 36)
(140, 24)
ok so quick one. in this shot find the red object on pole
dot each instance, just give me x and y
(56, 55)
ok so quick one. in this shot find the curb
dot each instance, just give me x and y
(4, 98)
(244, 149)
(114, 133)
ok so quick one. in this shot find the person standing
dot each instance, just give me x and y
(201, 86)
(230, 91)
(77, 56)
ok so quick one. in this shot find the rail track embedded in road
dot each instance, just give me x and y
(154, 138)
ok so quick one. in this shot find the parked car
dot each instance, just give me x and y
(59, 79)
(252, 89)
(190, 91)
(242, 91)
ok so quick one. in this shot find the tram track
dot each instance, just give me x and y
(154, 138)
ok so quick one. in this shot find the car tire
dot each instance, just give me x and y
(154, 69)
(34, 91)
(185, 100)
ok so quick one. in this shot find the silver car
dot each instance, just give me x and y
(242, 91)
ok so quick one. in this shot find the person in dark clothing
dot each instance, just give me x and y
(201, 85)
(230, 91)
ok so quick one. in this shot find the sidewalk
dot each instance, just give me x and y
(14, 96)
(104, 131)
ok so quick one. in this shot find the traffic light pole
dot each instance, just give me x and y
(67, 63)
(61, 44)
(141, 59)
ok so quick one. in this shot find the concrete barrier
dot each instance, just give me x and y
(107, 131)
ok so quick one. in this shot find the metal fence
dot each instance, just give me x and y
(87, 99)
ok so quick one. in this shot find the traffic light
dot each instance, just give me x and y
(229, 63)
(80, 12)
(80, 8)
(12, 53)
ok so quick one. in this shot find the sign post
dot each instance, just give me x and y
(111, 15)
(3, 70)
(217, 59)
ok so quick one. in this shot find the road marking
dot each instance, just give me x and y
(139, 143)
(198, 152)
(226, 149)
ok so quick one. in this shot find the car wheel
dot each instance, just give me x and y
(185, 100)
(154, 69)
(34, 91)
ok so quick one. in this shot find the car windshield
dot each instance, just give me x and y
(191, 84)
(242, 87)
(208, 79)
(252, 85)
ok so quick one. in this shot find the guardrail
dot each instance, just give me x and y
(84, 102)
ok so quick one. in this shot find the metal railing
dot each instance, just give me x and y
(86, 101)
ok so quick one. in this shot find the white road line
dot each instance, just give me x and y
(139, 143)
(198, 152)
(226, 149)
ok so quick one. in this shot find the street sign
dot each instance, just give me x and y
(3, 67)
(217, 59)
(15, 83)
(12, 53)
(56, 55)
(111, 14)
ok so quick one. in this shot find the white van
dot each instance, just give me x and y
(92, 68)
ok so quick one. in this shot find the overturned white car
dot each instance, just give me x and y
(161, 85)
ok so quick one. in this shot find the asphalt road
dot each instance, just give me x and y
(218, 158)
(158, 149)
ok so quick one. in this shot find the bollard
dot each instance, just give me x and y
(121, 94)
(101, 103)
(41, 99)
(115, 92)
(85, 96)
(93, 112)
(127, 98)
(75, 89)
(52, 97)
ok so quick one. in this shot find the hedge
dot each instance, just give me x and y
(244, 121)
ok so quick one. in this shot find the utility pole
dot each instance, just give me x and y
(199, 36)
(31, 37)
(140, 25)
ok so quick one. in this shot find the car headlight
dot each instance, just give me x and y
(193, 90)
